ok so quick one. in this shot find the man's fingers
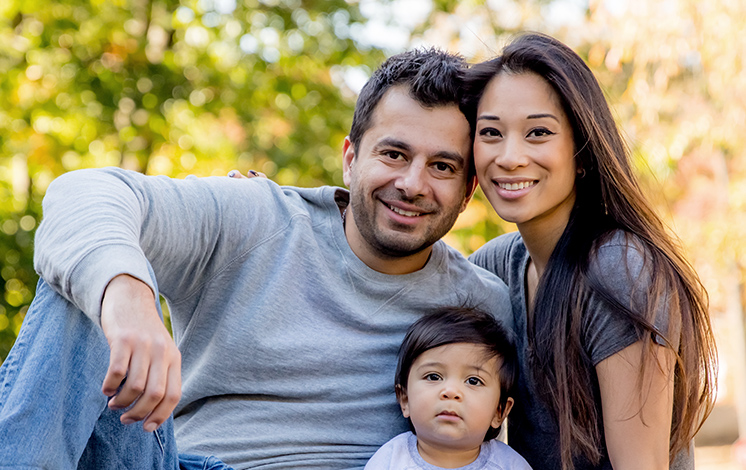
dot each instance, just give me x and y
(119, 361)
(137, 377)
(154, 384)
(169, 401)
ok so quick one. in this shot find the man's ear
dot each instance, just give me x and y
(401, 397)
(348, 155)
(501, 413)
(471, 187)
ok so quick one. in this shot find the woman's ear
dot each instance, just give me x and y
(401, 397)
(501, 413)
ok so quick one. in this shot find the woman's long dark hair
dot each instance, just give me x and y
(608, 200)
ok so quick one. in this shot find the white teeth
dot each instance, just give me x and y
(403, 212)
(516, 186)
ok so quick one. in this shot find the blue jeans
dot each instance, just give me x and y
(52, 411)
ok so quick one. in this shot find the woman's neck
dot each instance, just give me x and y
(540, 242)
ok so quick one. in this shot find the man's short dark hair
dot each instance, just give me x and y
(450, 325)
(432, 76)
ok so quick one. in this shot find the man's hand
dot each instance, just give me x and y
(142, 351)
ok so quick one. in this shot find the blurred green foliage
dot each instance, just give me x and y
(176, 88)
(164, 87)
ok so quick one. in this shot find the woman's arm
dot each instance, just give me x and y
(637, 411)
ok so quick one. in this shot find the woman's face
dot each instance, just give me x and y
(524, 152)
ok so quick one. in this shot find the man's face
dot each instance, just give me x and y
(407, 180)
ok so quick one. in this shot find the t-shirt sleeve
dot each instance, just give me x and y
(622, 267)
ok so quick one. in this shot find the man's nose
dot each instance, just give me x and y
(412, 180)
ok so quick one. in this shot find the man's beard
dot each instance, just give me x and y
(399, 241)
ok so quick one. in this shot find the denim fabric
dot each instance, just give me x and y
(52, 411)
(198, 462)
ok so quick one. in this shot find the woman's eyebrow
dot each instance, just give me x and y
(542, 115)
(492, 117)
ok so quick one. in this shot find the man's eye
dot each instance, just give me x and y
(440, 166)
(474, 381)
(394, 155)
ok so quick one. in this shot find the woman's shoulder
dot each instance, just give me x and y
(618, 256)
(496, 252)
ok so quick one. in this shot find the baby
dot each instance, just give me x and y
(456, 371)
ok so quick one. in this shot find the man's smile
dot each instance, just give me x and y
(404, 212)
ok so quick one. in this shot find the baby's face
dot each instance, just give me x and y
(452, 396)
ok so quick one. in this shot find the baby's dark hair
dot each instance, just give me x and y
(449, 325)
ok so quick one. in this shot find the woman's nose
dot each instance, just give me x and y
(511, 154)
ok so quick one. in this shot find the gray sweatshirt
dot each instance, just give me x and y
(288, 340)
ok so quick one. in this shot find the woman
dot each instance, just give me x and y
(617, 354)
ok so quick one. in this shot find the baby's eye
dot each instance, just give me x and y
(432, 377)
(474, 381)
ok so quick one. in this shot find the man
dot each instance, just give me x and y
(288, 305)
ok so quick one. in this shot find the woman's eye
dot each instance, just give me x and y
(489, 132)
(540, 132)
(474, 381)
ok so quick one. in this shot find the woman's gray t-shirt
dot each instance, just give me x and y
(620, 267)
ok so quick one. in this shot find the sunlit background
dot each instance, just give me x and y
(203, 87)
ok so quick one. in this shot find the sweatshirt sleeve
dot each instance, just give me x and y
(104, 222)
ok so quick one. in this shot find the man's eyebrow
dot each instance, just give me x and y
(392, 142)
(456, 158)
